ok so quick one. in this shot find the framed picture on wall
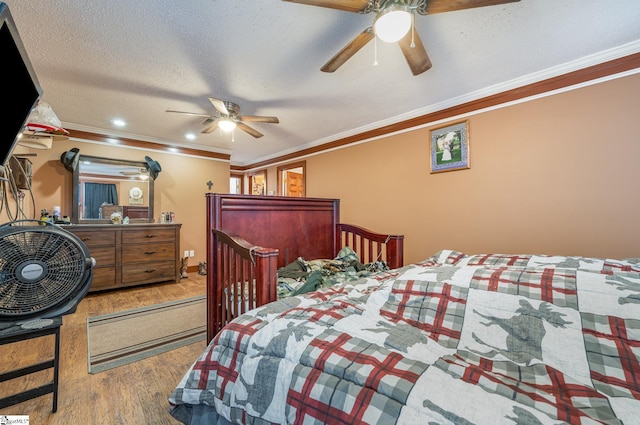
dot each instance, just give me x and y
(449, 147)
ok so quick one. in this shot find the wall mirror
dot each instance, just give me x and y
(102, 186)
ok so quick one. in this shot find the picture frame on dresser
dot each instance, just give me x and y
(449, 147)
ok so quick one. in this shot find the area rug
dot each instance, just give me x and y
(120, 338)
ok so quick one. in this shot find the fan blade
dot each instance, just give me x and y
(242, 126)
(416, 56)
(440, 6)
(220, 106)
(188, 113)
(349, 50)
(211, 128)
(347, 5)
(254, 118)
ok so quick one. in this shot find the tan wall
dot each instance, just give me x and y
(557, 175)
(180, 187)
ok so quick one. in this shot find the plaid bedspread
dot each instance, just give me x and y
(455, 339)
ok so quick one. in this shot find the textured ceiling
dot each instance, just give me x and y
(102, 59)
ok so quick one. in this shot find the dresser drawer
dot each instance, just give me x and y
(148, 272)
(148, 252)
(103, 278)
(93, 238)
(104, 255)
(148, 235)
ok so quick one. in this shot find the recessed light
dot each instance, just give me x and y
(118, 122)
(190, 136)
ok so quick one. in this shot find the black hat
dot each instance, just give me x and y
(154, 167)
(70, 159)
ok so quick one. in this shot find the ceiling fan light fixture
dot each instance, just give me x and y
(227, 125)
(392, 23)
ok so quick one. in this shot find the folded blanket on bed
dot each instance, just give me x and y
(296, 270)
(312, 283)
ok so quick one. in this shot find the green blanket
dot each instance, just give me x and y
(302, 276)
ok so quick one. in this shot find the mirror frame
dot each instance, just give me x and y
(76, 188)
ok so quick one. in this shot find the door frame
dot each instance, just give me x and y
(282, 169)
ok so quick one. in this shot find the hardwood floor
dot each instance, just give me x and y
(132, 394)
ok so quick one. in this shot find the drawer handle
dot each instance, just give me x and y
(149, 252)
(150, 271)
(149, 236)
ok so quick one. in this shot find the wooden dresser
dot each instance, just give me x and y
(131, 254)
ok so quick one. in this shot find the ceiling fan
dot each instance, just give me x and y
(394, 22)
(229, 118)
(134, 172)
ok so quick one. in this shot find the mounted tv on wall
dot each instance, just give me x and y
(22, 87)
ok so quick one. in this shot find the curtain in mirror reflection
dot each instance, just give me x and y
(96, 194)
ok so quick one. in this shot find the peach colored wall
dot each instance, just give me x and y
(180, 187)
(556, 175)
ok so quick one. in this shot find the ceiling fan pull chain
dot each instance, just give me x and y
(375, 51)
(413, 29)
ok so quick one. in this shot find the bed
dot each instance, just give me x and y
(454, 339)
(250, 238)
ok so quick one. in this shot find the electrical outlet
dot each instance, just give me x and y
(186, 254)
(192, 253)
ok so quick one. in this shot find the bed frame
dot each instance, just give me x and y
(242, 275)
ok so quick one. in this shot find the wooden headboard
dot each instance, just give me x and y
(296, 227)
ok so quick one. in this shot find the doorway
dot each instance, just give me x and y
(291, 180)
(258, 183)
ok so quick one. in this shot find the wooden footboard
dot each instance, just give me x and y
(244, 276)
(371, 246)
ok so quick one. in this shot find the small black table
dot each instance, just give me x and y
(18, 333)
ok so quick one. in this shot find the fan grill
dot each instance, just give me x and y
(38, 271)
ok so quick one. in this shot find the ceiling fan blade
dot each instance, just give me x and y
(254, 118)
(416, 56)
(220, 106)
(440, 6)
(242, 126)
(349, 50)
(188, 113)
(210, 128)
(347, 5)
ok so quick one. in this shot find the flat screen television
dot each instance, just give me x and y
(21, 87)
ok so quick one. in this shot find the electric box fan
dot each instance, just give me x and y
(45, 271)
